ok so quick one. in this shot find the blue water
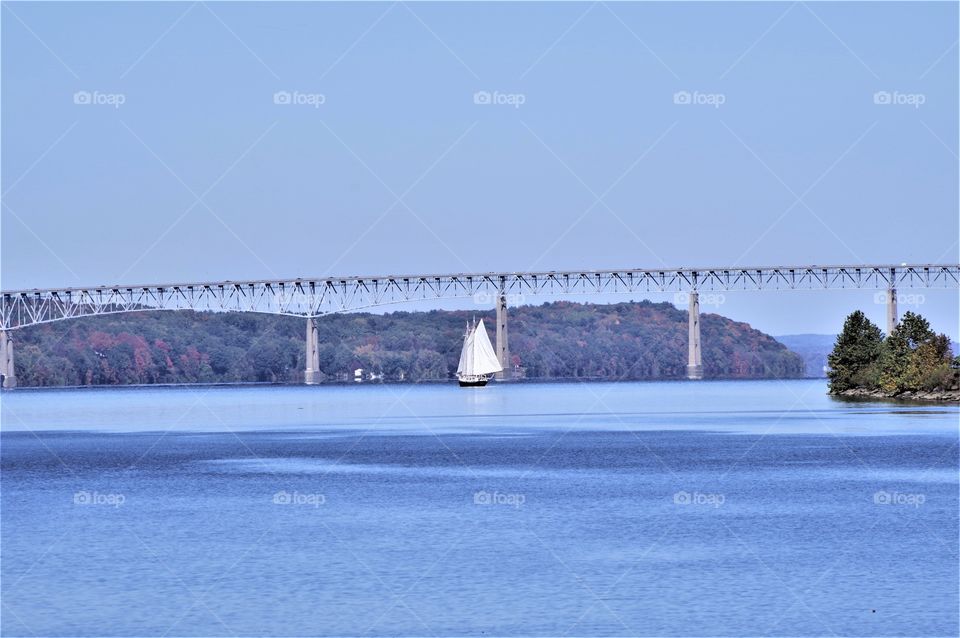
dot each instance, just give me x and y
(636, 509)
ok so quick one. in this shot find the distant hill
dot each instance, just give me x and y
(642, 340)
(813, 349)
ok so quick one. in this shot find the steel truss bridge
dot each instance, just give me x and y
(312, 298)
(321, 296)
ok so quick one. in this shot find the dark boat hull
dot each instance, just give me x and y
(473, 384)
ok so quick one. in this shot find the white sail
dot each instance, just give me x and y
(477, 356)
(466, 354)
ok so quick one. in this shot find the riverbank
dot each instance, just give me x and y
(950, 396)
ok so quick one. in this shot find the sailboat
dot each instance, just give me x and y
(478, 362)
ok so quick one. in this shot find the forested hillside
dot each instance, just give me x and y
(640, 340)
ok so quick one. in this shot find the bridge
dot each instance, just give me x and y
(315, 297)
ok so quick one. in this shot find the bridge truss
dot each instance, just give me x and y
(321, 296)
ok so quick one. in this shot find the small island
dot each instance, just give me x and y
(911, 363)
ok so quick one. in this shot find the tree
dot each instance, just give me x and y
(914, 358)
(915, 329)
(894, 359)
(857, 348)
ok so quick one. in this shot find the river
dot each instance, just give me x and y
(639, 509)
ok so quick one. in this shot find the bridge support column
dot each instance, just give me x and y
(891, 310)
(503, 347)
(694, 362)
(312, 372)
(7, 372)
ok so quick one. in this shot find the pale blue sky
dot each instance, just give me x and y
(798, 165)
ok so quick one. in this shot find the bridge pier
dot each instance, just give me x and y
(891, 310)
(312, 371)
(503, 347)
(694, 362)
(7, 373)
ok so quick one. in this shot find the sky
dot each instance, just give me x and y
(159, 142)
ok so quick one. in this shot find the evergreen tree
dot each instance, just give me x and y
(857, 348)
(915, 329)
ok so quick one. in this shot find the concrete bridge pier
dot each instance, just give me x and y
(503, 347)
(312, 373)
(694, 362)
(7, 373)
(891, 310)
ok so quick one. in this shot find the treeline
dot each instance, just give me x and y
(912, 358)
(640, 340)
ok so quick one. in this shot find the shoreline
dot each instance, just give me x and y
(438, 382)
(916, 396)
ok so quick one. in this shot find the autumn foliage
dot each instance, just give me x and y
(552, 341)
